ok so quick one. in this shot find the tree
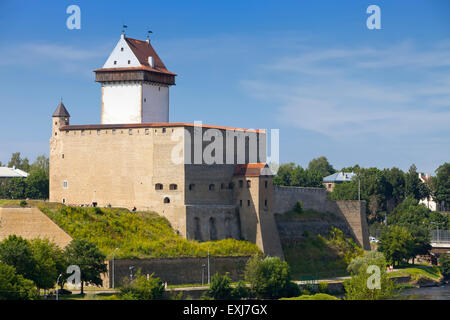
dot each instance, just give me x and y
(371, 257)
(41, 163)
(15, 188)
(143, 288)
(220, 288)
(444, 265)
(37, 185)
(396, 244)
(414, 187)
(269, 277)
(322, 165)
(17, 252)
(19, 163)
(14, 286)
(50, 262)
(88, 257)
(442, 185)
(357, 287)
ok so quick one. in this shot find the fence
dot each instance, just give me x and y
(440, 236)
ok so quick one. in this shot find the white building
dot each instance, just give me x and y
(8, 173)
(135, 84)
(428, 202)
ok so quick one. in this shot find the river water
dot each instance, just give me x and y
(430, 293)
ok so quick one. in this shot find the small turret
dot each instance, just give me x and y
(60, 117)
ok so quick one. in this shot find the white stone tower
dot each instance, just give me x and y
(135, 84)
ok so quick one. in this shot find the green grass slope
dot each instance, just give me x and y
(137, 234)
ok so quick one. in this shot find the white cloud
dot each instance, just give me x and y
(395, 91)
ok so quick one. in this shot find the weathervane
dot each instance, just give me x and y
(123, 28)
(148, 35)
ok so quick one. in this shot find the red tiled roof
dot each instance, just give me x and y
(252, 169)
(142, 50)
(150, 125)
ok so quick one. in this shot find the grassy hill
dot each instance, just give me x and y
(136, 234)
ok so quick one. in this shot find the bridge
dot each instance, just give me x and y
(440, 241)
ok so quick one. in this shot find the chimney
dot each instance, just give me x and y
(150, 61)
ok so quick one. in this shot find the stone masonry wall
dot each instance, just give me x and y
(351, 212)
(179, 270)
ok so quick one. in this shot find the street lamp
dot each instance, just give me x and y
(57, 281)
(209, 274)
(113, 266)
(203, 273)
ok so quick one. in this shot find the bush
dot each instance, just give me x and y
(220, 288)
(13, 286)
(444, 265)
(142, 288)
(269, 277)
(298, 207)
(323, 287)
(240, 291)
(371, 257)
(23, 203)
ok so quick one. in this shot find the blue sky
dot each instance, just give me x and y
(309, 68)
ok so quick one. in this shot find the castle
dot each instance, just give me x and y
(210, 182)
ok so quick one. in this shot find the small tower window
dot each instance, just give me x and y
(173, 186)
(166, 200)
(147, 131)
(248, 203)
(98, 132)
(121, 49)
(163, 130)
(82, 132)
(62, 155)
(130, 132)
(222, 186)
(113, 131)
(129, 61)
(145, 99)
(191, 187)
(265, 203)
(65, 184)
(249, 183)
(240, 203)
(211, 187)
(158, 186)
(115, 62)
(63, 200)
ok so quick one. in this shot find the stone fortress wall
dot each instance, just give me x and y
(352, 213)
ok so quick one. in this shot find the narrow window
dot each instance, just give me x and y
(158, 186)
(166, 200)
(115, 62)
(130, 132)
(249, 183)
(145, 99)
(63, 200)
(265, 203)
(147, 131)
(231, 185)
(211, 187)
(191, 187)
(197, 232)
(121, 49)
(163, 130)
(241, 183)
(67, 132)
(240, 203)
(82, 132)
(248, 203)
(212, 229)
(173, 187)
(222, 186)
(62, 155)
(113, 131)
(65, 184)
(98, 132)
(129, 61)
(266, 184)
